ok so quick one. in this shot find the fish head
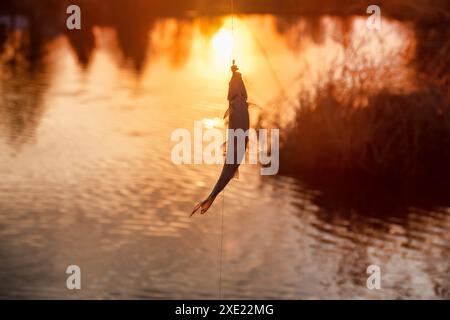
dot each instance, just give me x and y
(237, 87)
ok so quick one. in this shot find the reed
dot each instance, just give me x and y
(391, 136)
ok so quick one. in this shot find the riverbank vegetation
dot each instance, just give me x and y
(355, 134)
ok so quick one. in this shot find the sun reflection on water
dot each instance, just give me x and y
(223, 43)
(210, 123)
(98, 171)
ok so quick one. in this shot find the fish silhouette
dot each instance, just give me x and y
(235, 153)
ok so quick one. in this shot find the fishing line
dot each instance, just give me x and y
(221, 246)
(223, 192)
(283, 93)
(232, 30)
(232, 17)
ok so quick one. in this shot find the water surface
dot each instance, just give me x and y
(86, 175)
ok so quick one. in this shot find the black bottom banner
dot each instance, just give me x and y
(227, 309)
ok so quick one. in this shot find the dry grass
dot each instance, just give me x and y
(359, 126)
(354, 130)
(394, 136)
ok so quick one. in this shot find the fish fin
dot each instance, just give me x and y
(196, 208)
(236, 174)
(224, 148)
(253, 105)
(204, 205)
(226, 113)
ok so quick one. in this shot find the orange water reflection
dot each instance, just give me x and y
(87, 177)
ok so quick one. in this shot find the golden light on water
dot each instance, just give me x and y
(223, 43)
(210, 123)
(66, 127)
(264, 57)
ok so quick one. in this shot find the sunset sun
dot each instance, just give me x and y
(222, 43)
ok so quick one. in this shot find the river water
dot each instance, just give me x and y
(87, 177)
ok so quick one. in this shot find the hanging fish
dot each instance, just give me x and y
(238, 119)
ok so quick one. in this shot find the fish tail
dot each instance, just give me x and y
(204, 205)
